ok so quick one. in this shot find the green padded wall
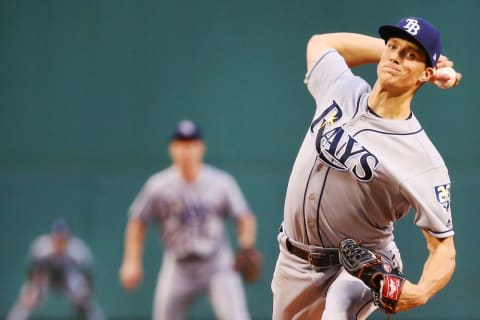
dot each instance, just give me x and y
(90, 90)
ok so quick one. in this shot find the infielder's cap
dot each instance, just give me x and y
(60, 227)
(187, 130)
(420, 32)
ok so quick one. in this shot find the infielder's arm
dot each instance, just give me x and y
(437, 271)
(247, 231)
(131, 271)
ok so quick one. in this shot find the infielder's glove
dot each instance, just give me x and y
(249, 263)
(385, 281)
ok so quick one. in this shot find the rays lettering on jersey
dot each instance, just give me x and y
(188, 210)
(191, 213)
(338, 149)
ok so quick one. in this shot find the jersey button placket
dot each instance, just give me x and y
(311, 224)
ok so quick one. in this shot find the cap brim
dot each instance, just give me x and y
(386, 32)
(187, 137)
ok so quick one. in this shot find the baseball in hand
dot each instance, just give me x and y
(445, 84)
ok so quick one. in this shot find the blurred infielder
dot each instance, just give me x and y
(364, 163)
(190, 202)
(58, 262)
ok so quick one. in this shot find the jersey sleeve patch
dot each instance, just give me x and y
(442, 195)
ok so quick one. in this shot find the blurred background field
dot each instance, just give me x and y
(90, 90)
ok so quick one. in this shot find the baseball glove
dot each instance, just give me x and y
(384, 281)
(249, 262)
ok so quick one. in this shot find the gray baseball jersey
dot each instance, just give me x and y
(191, 216)
(354, 176)
(198, 259)
(77, 252)
(356, 173)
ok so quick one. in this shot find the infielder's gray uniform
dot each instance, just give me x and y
(348, 180)
(69, 273)
(198, 257)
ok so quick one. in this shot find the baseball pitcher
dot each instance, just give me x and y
(364, 163)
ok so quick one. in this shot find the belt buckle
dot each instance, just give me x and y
(320, 263)
(310, 258)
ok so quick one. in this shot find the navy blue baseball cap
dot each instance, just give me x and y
(60, 227)
(187, 130)
(418, 31)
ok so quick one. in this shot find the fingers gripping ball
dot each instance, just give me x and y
(446, 84)
(249, 263)
(384, 281)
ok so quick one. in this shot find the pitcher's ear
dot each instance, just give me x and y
(427, 74)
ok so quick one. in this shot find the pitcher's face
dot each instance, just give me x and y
(403, 65)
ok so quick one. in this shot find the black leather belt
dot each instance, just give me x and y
(329, 258)
(192, 258)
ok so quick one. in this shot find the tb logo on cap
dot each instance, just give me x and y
(412, 26)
